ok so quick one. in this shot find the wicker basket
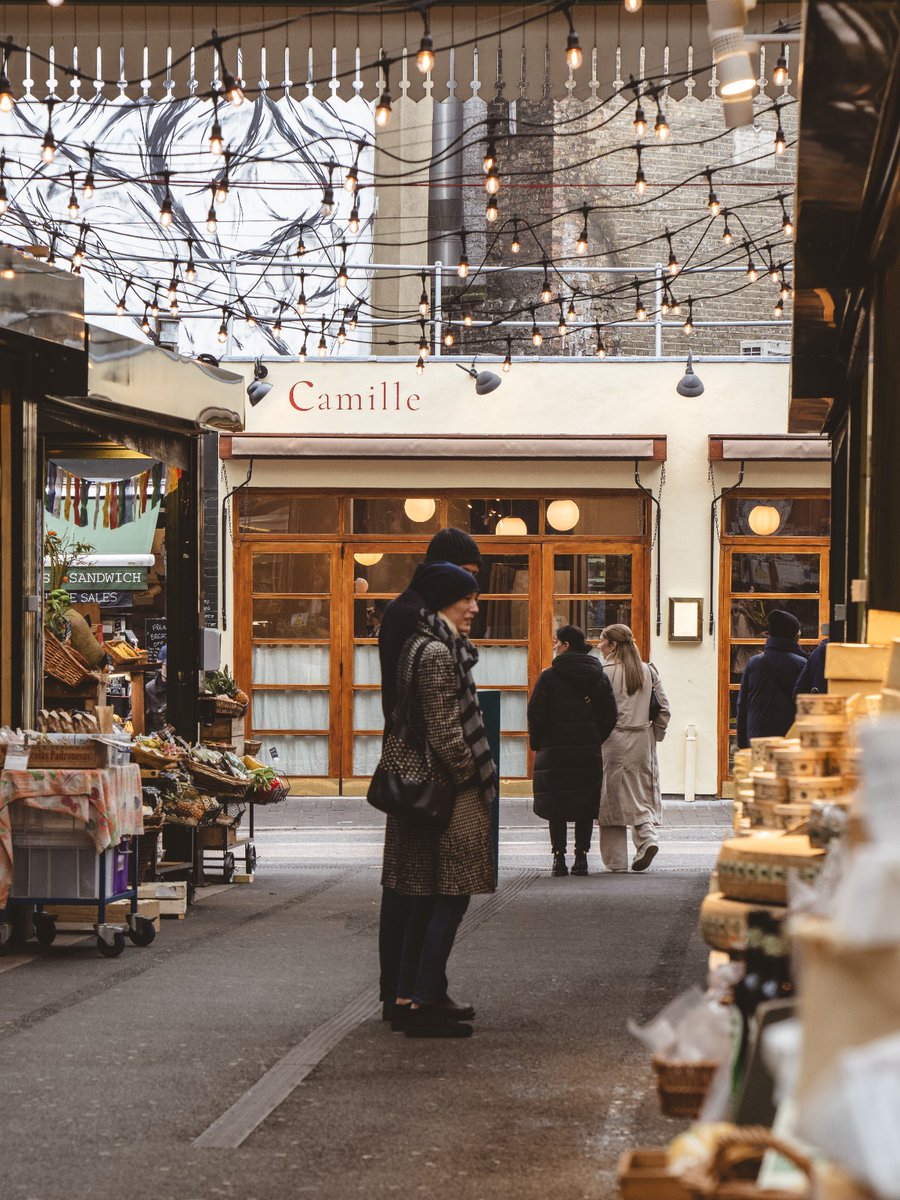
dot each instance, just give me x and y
(252, 746)
(216, 781)
(735, 1150)
(266, 797)
(229, 708)
(61, 663)
(682, 1086)
(149, 758)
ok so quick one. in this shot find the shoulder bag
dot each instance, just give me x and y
(426, 804)
(655, 706)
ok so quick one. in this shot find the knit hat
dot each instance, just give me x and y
(574, 638)
(783, 624)
(441, 584)
(452, 545)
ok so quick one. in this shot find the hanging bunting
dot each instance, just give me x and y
(115, 504)
(76, 512)
(106, 499)
(85, 496)
(51, 486)
(97, 502)
(144, 483)
(68, 505)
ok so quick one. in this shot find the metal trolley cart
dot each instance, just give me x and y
(55, 862)
(224, 839)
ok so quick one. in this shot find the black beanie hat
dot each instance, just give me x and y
(441, 584)
(452, 545)
(783, 624)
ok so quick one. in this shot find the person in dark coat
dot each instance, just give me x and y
(766, 700)
(571, 713)
(398, 623)
(812, 677)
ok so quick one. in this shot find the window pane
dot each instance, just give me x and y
(591, 615)
(298, 755)
(367, 712)
(732, 705)
(290, 618)
(291, 710)
(367, 616)
(291, 573)
(748, 617)
(366, 667)
(775, 573)
(480, 516)
(592, 573)
(387, 514)
(608, 515)
(390, 574)
(501, 664)
(271, 512)
(506, 574)
(501, 619)
(740, 656)
(513, 757)
(366, 753)
(513, 712)
(810, 517)
(291, 664)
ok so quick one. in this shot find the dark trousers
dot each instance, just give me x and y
(395, 913)
(430, 934)
(583, 832)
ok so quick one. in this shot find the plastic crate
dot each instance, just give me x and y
(53, 855)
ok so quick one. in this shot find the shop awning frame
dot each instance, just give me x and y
(512, 448)
(783, 447)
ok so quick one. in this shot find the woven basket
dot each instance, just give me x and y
(229, 708)
(149, 758)
(265, 797)
(216, 781)
(252, 746)
(682, 1086)
(735, 1150)
(61, 663)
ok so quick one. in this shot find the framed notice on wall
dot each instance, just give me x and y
(685, 619)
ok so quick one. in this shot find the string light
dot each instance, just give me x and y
(640, 117)
(424, 346)
(492, 182)
(120, 306)
(633, 6)
(462, 267)
(342, 333)
(467, 318)
(785, 290)
(778, 309)
(537, 337)
(73, 199)
(712, 200)
(223, 328)
(322, 347)
(581, 246)
(492, 210)
(90, 183)
(301, 247)
(145, 321)
(277, 326)
(661, 128)
(673, 260)
(383, 109)
(787, 225)
(190, 270)
(48, 146)
(574, 57)
(489, 161)
(507, 361)
(546, 290)
(51, 256)
(81, 247)
(173, 282)
(449, 338)
(571, 312)
(640, 180)
(727, 235)
(211, 221)
(773, 270)
(779, 75)
(420, 365)
(664, 304)
(599, 348)
(353, 223)
(351, 180)
(689, 320)
(165, 209)
(216, 141)
(640, 312)
(780, 139)
(515, 245)
(342, 276)
(353, 321)
(327, 206)
(752, 273)
(562, 328)
(301, 304)
(425, 57)
(230, 85)
(7, 99)
(304, 353)
(154, 303)
(173, 307)
(4, 198)
(424, 305)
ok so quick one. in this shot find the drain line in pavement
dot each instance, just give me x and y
(260, 1101)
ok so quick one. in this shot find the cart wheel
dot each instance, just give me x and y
(142, 931)
(44, 928)
(113, 950)
(228, 868)
(250, 858)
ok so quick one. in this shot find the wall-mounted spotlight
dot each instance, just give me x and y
(485, 381)
(690, 385)
(258, 390)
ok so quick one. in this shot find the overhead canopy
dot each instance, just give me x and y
(769, 448)
(426, 446)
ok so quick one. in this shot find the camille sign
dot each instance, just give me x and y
(385, 396)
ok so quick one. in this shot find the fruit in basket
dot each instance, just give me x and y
(240, 697)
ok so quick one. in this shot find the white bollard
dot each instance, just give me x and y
(690, 762)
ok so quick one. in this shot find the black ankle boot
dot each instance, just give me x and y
(579, 866)
(559, 863)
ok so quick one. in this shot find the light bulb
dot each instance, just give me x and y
(353, 319)
(490, 157)
(673, 263)
(787, 227)
(301, 304)
(73, 205)
(537, 337)
(600, 349)
(327, 206)
(216, 144)
(640, 121)
(154, 307)
(211, 222)
(120, 307)
(165, 213)
(492, 183)
(661, 128)
(277, 327)
(48, 149)
(221, 191)
(752, 273)
(190, 271)
(145, 324)
(467, 319)
(301, 247)
(633, 6)
(462, 268)
(353, 223)
(785, 289)
(420, 365)
(304, 353)
(582, 244)
(423, 304)
(342, 277)
(507, 362)
(688, 326)
(173, 308)
(515, 245)
(342, 334)
(574, 57)
(562, 328)
(173, 288)
(640, 311)
(727, 236)
(78, 256)
(322, 347)
(449, 338)
(780, 141)
(89, 184)
(7, 99)
(546, 293)
(778, 309)
(233, 90)
(571, 312)
(383, 111)
(492, 210)
(713, 204)
(351, 182)
(779, 75)
(640, 182)
(425, 57)
(223, 333)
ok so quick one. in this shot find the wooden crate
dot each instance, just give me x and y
(211, 836)
(225, 729)
(116, 914)
(643, 1176)
(171, 894)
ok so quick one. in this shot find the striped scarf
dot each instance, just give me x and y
(465, 656)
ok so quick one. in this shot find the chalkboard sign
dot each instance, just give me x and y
(154, 636)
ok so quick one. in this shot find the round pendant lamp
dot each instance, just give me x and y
(764, 520)
(419, 509)
(563, 514)
(511, 527)
(368, 560)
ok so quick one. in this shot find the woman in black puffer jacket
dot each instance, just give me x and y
(571, 713)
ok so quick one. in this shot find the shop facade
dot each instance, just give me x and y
(598, 508)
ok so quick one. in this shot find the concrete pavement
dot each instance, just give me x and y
(113, 1069)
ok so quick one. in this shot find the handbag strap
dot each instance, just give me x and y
(403, 705)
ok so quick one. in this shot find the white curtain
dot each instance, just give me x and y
(366, 753)
(501, 665)
(512, 756)
(297, 755)
(366, 667)
(291, 710)
(367, 713)
(513, 711)
(291, 664)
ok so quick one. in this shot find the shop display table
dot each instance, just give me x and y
(66, 837)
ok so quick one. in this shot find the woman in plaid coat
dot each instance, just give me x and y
(441, 870)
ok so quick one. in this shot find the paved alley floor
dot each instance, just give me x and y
(242, 1053)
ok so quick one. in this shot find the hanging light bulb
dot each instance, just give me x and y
(165, 209)
(51, 257)
(574, 57)
(145, 322)
(277, 326)
(537, 337)
(661, 128)
(571, 311)
(173, 282)
(640, 180)
(304, 353)
(190, 270)
(785, 289)
(216, 141)
(211, 221)
(173, 307)
(89, 185)
(120, 306)
(689, 320)
(633, 6)
(752, 273)
(425, 57)
(420, 365)
(640, 311)
(462, 267)
(449, 338)
(664, 303)
(353, 321)
(342, 333)
(774, 271)
(492, 182)
(712, 200)
(223, 328)
(581, 246)
(562, 328)
(787, 225)
(230, 85)
(301, 247)
(492, 210)
(301, 299)
(7, 99)
(221, 192)
(546, 291)
(73, 199)
(489, 161)
(424, 305)
(640, 120)
(322, 347)
(383, 109)
(780, 140)
(507, 361)
(48, 147)
(154, 303)
(673, 260)
(351, 180)
(778, 308)
(599, 348)
(342, 277)
(779, 75)
(727, 236)
(515, 245)
(467, 318)
(424, 347)
(353, 223)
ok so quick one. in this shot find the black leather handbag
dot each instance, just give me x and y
(426, 804)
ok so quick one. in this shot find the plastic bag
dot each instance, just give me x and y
(691, 1028)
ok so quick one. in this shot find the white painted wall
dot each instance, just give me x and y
(568, 397)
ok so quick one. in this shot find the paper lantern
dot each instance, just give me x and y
(563, 514)
(764, 520)
(419, 510)
(368, 560)
(511, 527)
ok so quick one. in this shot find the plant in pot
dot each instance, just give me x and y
(60, 555)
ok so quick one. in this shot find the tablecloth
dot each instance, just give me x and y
(107, 800)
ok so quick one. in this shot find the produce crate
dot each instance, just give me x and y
(644, 1175)
(171, 895)
(116, 913)
(226, 729)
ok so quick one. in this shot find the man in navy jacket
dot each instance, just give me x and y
(766, 700)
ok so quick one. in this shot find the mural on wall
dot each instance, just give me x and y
(148, 152)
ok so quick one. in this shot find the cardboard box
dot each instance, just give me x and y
(882, 626)
(866, 664)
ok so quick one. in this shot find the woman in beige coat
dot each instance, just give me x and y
(630, 795)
